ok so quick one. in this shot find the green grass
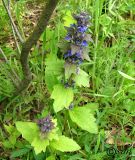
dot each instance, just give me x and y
(113, 50)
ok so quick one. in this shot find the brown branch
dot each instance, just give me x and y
(50, 5)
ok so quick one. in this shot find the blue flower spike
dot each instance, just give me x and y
(76, 37)
(78, 40)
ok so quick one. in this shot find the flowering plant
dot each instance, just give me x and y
(77, 50)
(45, 133)
(62, 76)
(78, 39)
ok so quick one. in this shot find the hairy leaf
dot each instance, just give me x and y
(20, 152)
(68, 19)
(62, 97)
(75, 49)
(83, 117)
(69, 69)
(126, 76)
(92, 107)
(29, 130)
(40, 144)
(65, 144)
(82, 79)
(54, 69)
(87, 37)
(85, 54)
(64, 46)
(50, 158)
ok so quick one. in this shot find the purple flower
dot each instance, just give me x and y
(66, 55)
(71, 106)
(68, 37)
(46, 124)
(82, 29)
(78, 41)
(69, 54)
(78, 55)
(84, 43)
(82, 18)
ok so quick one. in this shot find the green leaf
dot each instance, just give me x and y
(85, 54)
(62, 97)
(13, 133)
(131, 89)
(74, 49)
(54, 69)
(92, 107)
(9, 128)
(68, 19)
(87, 37)
(83, 117)
(39, 144)
(130, 106)
(50, 158)
(29, 130)
(12, 139)
(65, 144)
(69, 70)
(20, 152)
(53, 134)
(7, 144)
(105, 20)
(64, 46)
(82, 79)
(126, 76)
(40, 156)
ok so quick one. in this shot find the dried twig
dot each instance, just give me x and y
(13, 30)
(3, 54)
(12, 70)
(12, 22)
